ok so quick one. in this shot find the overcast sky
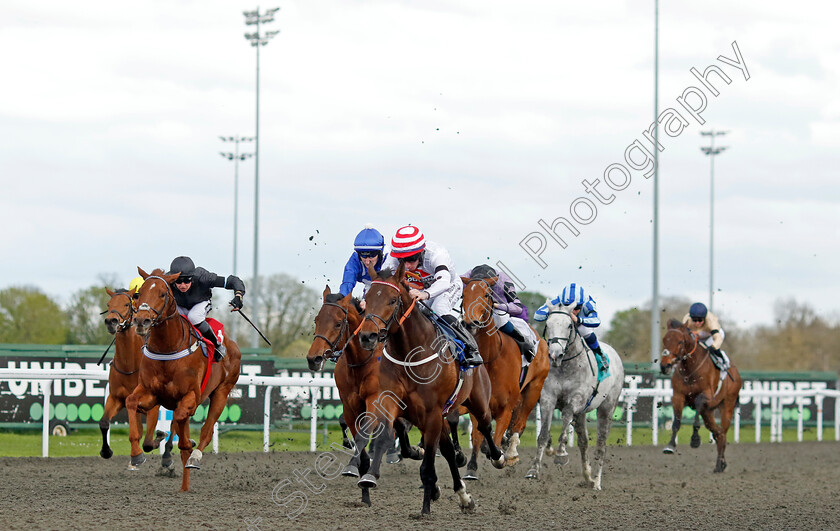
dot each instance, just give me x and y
(473, 120)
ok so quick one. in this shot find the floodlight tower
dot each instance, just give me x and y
(711, 151)
(236, 156)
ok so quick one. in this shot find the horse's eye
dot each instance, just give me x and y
(337, 326)
(393, 301)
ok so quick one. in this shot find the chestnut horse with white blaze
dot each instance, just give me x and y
(174, 370)
(123, 375)
(696, 382)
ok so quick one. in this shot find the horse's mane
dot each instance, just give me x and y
(386, 274)
(335, 297)
(120, 290)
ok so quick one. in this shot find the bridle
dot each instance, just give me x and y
(681, 359)
(382, 333)
(573, 335)
(125, 320)
(487, 296)
(332, 353)
(159, 313)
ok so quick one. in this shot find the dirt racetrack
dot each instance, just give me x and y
(767, 486)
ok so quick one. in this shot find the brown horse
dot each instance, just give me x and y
(696, 383)
(356, 375)
(510, 403)
(173, 369)
(420, 381)
(122, 378)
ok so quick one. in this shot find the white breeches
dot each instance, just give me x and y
(197, 313)
(446, 302)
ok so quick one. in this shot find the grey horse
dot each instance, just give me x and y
(570, 386)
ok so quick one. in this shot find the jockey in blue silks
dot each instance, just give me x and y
(368, 249)
(585, 314)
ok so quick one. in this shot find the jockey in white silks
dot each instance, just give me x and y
(586, 315)
(431, 274)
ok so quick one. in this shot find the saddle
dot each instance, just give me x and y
(207, 346)
(455, 345)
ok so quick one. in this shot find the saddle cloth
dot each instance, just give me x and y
(207, 346)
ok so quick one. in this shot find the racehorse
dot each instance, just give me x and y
(122, 378)
(510, 402)
(696, 383)
(572, 386)
(356, 375)
(420, 381)
(174, 373)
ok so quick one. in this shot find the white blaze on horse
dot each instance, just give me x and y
(573, 387)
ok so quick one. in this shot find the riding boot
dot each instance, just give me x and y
(206, 331)
(526, 348)
(603, 361)
(471, 355)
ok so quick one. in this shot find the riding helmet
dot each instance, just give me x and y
(183, 265)
(369, 239)
(698, 310)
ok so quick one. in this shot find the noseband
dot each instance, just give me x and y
(158, 313)
(126, 321)
(572, 336)
(382, 334)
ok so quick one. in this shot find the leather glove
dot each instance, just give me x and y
(236, 302)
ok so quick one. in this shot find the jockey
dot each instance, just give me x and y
(192, 291)
(431, 273)
(510, 315)
(706, 326)
(367, 249)
(585, 314)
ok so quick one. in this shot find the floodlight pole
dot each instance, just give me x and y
(711, 151)
(236, 157)
(654, 306)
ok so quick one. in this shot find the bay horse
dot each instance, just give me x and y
(123, 377)
(356, 376)
(572, 386)
(510, 402)
(696, 383)
(420, 381)
(173, 369)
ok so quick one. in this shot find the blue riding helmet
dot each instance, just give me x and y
(572, 295)
(698, 310)
(369, 239)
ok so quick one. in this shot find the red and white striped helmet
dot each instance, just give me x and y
(407, 241)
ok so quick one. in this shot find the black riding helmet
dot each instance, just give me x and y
(183, 265)
(483, 271)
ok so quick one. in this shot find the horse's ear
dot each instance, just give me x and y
(372, 272)
(132, 292)
(400, 274)
(171, 278)
(465, 280)
(142, 273)
(673, 323)
(348, 299)
(326, 291)
(109, 292)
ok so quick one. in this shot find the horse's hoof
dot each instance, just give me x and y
(350, 471)
(106, 453)
(148, 448)
(720, 467)
(436, 494)
(561, 460)
(160, 436)
(368, 481)
(391, 458)
(669, 450)
(532, 474)
(460, 460)
(549, 451)
(168, 464)
(471, 475)
(511, 461)
(469, 508)
(499, 463)
(194, 460)
(695, 441)
(136, 461)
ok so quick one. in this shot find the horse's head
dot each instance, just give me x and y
(332, 328)
(383, 304)
(155, 301)
(676, 343)
(120, 310)
(478, 302)
(559, 329)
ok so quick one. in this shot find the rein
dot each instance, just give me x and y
(384, 329)
(345, 325)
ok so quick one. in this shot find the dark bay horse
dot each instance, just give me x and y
(419, 380)
(123, 376)
(173, 369)
(697, 384)
(510, 403)
(356, 375)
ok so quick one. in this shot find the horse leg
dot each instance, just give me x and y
(181, 419)
(383, 439)
(447, 450)
(406, 450)
(720, 438)
(562, 456)
(678, 402)
(112, 407)
(153, 437)
(431, 436)
(345, 440)
(699, 406)
(137, 402)
(453, 419)
(726, 412)
(166, 458)
(605, 418)
(583, 445)
(547, 408)
(360, 440)
(477, 439)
